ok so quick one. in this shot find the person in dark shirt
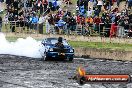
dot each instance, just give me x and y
(97, 21)
(59, 44)
(21, 13)
(29, 3)
(45, 3)
(15, 12)
(15, 4)
(72, 23)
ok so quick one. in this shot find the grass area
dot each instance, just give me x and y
(100, 45)
(84, 44)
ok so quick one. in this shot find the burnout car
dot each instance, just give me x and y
(49, 50)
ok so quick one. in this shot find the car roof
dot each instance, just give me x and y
(51, 38)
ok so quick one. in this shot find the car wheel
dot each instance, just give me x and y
(45, 57)
(70, 59)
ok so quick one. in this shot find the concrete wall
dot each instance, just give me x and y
(104, 53)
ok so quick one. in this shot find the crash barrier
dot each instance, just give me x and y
(104, 54)
(19, 27)
(115, 30)
(41, 28)
(102, 30)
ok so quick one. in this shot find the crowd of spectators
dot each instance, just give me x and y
(26, 13)
(101, 17)
(103, 14)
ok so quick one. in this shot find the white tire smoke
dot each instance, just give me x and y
(28, 47)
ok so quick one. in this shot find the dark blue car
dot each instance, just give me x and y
(49, 50)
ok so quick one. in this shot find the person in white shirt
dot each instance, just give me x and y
(99, 5)
(47, 24)
(89, 12)
(6, 22)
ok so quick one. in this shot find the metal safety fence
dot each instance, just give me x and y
(85, 30)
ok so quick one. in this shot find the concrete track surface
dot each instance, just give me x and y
(24, 72)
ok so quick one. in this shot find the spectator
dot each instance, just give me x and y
(118, 2)
(126, 27)
(40, 6)
(41, 21)
(51, 23)
(121, 27)
(77, 9)
(103, 17)
(34, 22)
(113, 30)
(54, 5)
(97, 21)
(15, 4)
(29, 3)
(11, 19)
(1, 1)
(107, 25)
(61, 25)
(0, 23)
(129, 4)
(72, 24)
(82, 20)
(96, 12)
(21, 23)
(107, 22)
(78, 19)
(6, 22)
(45, 3)
(99, 5)
(113, 16)
(89, 12)
(47, 24)
(89, 20)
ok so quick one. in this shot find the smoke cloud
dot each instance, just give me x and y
(28, 47)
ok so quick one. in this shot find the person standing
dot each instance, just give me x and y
(0, 23)
(97, 21)
(99, 5)
(107, 26)
(5, 19)
(72, 24)
(35, 22)
(47, 26)
(45, 3)
(61, 25)
(121, 24)
(41, 21)
(129, 3)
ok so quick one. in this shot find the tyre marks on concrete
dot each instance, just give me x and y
(23, 72)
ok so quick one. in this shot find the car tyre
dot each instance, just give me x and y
(45, 58)
(70, 59)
